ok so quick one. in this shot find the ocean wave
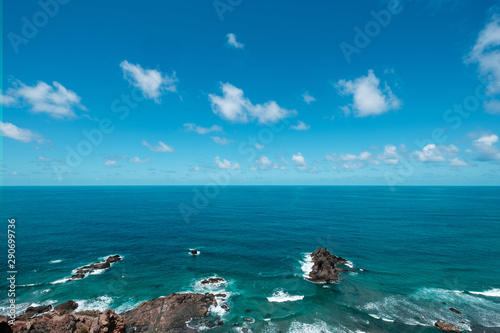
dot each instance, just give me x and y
(280, 296)
(495, 292)
(317, 327)
(100, 303)
(307, 265)
(56, 261)
(428, 305)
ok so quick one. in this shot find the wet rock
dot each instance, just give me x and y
(112, 259)
(455, 310)
(34, 310)
(170, 313)
(194, 252)
(325, 268)
(213, 280)
(446, 327)
(68, 306)
(100, 265)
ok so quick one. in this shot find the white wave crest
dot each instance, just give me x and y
(489, 293)
(280, 296)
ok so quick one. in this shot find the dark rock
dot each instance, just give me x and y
(170, 313)
(213, 280)
(34, 310)
(455, 310)
(194, 252)
(220, 323)
(221, 295)
(68, 306)
(248, 320)
(268, 315)
(101, 265)
(77, 276)
(446, 327)
(112, 259)
(225, 307)
(325, 266)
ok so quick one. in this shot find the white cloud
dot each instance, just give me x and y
(138, 160)
(190, 127)
(151, 82)
(301, 126)
(264, 163)
(486, 148)
(56, 101)
(233, 106)
(20, 134)
(299, 159)
(486, 53)
(259, 146)
(225, 164)
(196, 168)
(369, 99)
(220, 141)
(390, 155)
(435, 154)
(308, 98)
(111, 163)
(231, 40)
(456, 162)
(161, 147)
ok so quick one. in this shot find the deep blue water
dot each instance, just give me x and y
(417, 251)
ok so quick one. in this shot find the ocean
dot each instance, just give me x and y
(415, 252)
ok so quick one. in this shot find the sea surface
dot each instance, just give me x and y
(415, 252)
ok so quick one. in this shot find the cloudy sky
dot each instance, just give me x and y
(251, 92)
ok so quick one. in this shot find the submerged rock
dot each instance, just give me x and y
(455, 310)
(213, 280)
(169, 314)
(446, 327)
(325, 268)
(194, 252)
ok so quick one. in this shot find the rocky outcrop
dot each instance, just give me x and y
(194, 252)
(67, 307)
(325, 268)
(169, 314)
(83, 271)
(35, 310)
(213, 280)
(446, 327)
(166, 314)
(55, 322)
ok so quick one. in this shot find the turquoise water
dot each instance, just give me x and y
(416, 251)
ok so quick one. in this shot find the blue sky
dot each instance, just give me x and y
(251, 92)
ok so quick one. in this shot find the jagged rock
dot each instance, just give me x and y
(53, 322)
(169, 314)
(77, 276)
(212, 280)
(100, 265)
(34, 310)
(112, 259)
(446, 327)
(325, 266)
(455, 310)
(194, 252)
(67, 307)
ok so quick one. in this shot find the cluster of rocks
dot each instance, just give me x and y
(166, 314)
(325, 268)
(82, 272)
(213, 280)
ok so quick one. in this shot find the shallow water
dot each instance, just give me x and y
(417, 251)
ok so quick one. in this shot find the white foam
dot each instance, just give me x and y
(307, 265)
(56, 261)
(210, 287)
(317, 327)
(349, 264)
(101, 303)
(198, 252)
(61, 281)
(280, 296)
(495, 292)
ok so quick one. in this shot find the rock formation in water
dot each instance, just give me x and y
(325, 268)
(446, 327)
